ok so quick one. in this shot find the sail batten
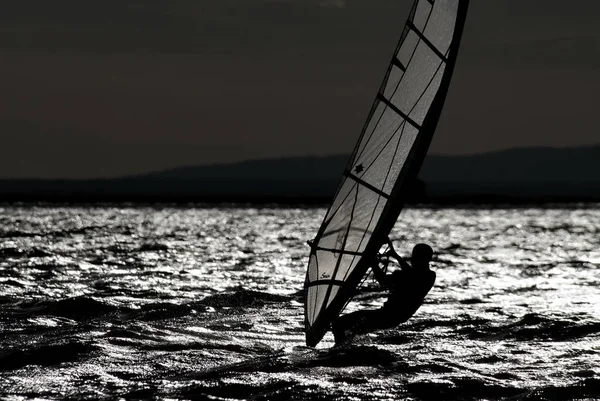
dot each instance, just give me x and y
(426, 41)
(366, 184)
(396, 62)
(327, 282)
(391, 105)
(385, 160)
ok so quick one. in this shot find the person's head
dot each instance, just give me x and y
(421, 256)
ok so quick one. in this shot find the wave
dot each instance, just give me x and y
(44, 355)
(23, 253)
(50, 234)
(78, 308)
(452, 388)
(165, 310)
(152, 246)
(19, 234)
(584, 389)
(277, 390)
(460, 389)
(533, 327)
(243, 298)
(300, 358)
(86, 308)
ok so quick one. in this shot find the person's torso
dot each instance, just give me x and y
(409, 287)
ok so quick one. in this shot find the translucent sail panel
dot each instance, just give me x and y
(442, 22)
(315, 297)
(421, 14)
(412, 81)
(348, 233)
(382, 166)
(340, 247)
(375, 161)
(384, 173)
(319, 284)
(419, 78)
(389, 149)
(320, 292)
(383, 129)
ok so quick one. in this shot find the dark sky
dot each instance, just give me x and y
(105, 88)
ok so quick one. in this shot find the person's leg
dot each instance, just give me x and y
(359, 322)
(400, 314)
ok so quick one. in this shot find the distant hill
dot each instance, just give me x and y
(510, 175)
(285, 169)
(517, 165)
(525, 172)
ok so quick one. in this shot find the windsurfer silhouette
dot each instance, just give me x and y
(408, 288)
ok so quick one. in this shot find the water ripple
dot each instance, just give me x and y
(206, 303)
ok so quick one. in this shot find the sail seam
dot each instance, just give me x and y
(383, 186)
(401, 125)
(366, 184)
(414, 50)
(389, 104)
(327, 233)
(337, 209)
(344, 241)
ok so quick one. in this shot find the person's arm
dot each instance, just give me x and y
(402, 263)
(392, 252)
(380, 275)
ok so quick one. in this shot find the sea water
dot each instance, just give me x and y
(206, 303)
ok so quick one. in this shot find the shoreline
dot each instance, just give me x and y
(441, 202)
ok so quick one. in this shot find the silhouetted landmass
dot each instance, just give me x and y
(512, 176)
(517, 165)
(287, 180)
(527, 173)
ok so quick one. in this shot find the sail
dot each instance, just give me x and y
(386, 159)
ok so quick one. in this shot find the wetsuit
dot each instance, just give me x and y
(408, 288)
